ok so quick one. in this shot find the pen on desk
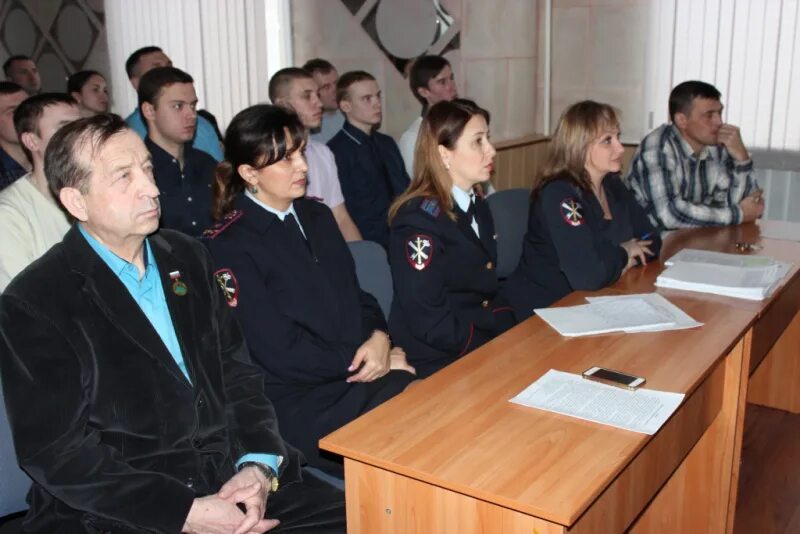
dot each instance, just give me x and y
(646, 236)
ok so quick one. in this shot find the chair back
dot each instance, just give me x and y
(373, 272)
(510, 213)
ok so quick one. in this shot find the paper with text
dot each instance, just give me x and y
(642, 410)
(631, 315)
(680, 319)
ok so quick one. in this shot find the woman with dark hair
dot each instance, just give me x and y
(442, 248)
(287, 272)
(89, 89)
(584, 228)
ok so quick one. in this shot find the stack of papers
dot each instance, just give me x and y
(642, 410)
(732, 275)
(628, 313)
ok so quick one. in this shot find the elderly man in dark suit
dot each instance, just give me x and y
(130, 393)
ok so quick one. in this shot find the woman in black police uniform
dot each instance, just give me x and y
(289, 276)
(584, 228)
(442, 247)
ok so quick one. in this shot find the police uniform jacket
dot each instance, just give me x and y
(114, 436)
(570, 246)
(303, 315)
(445, 283)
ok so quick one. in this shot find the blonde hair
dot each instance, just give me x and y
(579, 125)
(443, 125)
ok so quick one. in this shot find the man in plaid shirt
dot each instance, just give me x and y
(695, 170)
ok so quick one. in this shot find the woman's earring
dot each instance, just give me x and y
(447, 165)
(254, 189)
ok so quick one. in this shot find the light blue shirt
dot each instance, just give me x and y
(205, 137)
(463, 199)
(148, 293)
(332, 122)
(279, 214)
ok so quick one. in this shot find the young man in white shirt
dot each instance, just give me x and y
(31, 221)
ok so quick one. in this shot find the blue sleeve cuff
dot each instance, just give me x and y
(266, 459)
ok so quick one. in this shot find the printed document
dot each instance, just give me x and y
(680, 320)
(630, 315)
(642, 410)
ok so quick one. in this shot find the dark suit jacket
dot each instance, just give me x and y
(111, 432)
(303, 315)
(444, 300)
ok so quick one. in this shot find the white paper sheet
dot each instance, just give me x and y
(680, 319)
(643, 410)
(631, 315)
(692, 255)
(752, 283)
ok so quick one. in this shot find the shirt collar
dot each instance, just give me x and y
(356, 134)
(161, 157)
(462, 198)
(279, 214)
(688, 151)
(117, 265)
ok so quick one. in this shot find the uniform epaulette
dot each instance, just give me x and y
(430, 206)
(220, 227)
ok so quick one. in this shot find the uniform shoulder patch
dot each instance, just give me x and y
(229, 285)
(430, 206)
(222, 225)
(419, 251)
(571, 211)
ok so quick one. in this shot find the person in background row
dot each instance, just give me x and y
(31, 220)
(13, 162)
(183, 174)
(137, 65)
(89, 89)
(371, 169)
(431, 80)
(23, 71)
(443, 251)
(695, 170)
(131, 397)
(296, 90)
(326, 76)
(584, 227)
(291, 282)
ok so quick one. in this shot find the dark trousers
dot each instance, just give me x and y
(311, 506)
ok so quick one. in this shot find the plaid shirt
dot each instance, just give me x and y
(679, 189)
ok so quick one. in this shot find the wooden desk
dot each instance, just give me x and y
(453, 455)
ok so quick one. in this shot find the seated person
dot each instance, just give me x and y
(291, 283)
(31, 219)
(183, 173)
(129, 389)
(584, 227)
(325, 75)
(137, 65)
(89, 89)
(695, 170)
(296, 90)
(13, 162)
(443, 251)
(371, 170)
(431, 80)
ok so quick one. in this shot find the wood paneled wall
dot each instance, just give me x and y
(517, 161)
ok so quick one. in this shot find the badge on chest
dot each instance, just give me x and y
(229, 286)
(419, 251)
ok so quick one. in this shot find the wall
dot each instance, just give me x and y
(497, 62)
(599, 53)
(62, 36)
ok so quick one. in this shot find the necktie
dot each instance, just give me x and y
(473, 222)
(293, 229)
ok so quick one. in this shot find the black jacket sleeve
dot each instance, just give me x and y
(588, 260)
(48, 392)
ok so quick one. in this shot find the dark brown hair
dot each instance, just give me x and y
(349, 78)
(443, 125)
(423, 70)
(258, 136)
(30, 111)
(62, 164)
